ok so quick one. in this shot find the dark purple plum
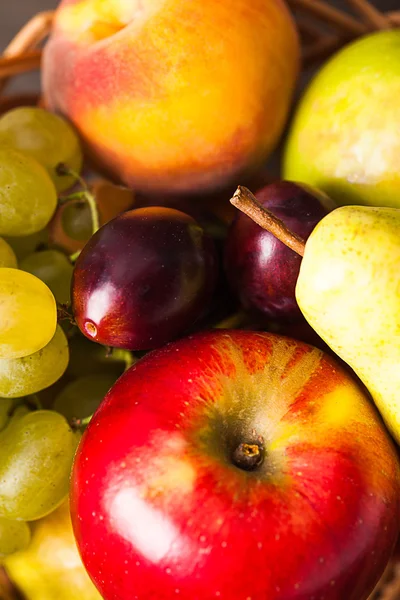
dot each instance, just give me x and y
(262, 270)
(143, 279)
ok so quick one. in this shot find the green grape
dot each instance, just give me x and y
(14, 536)
(81, 397)
(7, 255)
(23, 246)
(28, 197)
(47, 396)
(19, 410)
(77, 221)
(28, 314)
(30, 374)
(36, 454)
(87, 358)
(48, 138)
(54, 268)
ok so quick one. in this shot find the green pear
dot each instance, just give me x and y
(345, 137)
(349, 291)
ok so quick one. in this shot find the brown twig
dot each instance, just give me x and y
(12, 101)
(371, 15)
(394, 17)
(308, 29)
(334, 17)
(14, 65)
(323, 45)
(30, 36)
(388, 587)
(321, 49)
(248, 204)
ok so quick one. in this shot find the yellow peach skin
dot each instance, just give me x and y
(172, 95)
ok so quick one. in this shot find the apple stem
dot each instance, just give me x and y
(248, 457)
(248, 204)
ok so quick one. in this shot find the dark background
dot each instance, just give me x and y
(14, 13)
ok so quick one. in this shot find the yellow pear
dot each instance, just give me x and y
(349, 291)
(51, 568)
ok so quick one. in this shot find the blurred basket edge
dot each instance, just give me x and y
(323, 29)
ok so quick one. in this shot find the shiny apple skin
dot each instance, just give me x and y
(143, 279)
(261, 270)
(160, 512)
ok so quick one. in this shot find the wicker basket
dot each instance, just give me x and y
(323, 30)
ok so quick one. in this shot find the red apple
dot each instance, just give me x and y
(236, 465)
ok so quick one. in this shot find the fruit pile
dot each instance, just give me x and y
(214, 390)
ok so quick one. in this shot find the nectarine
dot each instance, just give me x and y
(173, 95)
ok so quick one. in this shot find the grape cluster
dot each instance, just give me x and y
(78, 266)
(160, 261)
(37, 443)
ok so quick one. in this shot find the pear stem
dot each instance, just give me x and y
(248, 204)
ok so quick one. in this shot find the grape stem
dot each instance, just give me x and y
(33, 401)
(80, 423)
(235, 321)
(74, 257)
(64, 313)
(85, 195)
(124, 355)
(248, 204)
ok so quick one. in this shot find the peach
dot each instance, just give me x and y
(172, 95)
